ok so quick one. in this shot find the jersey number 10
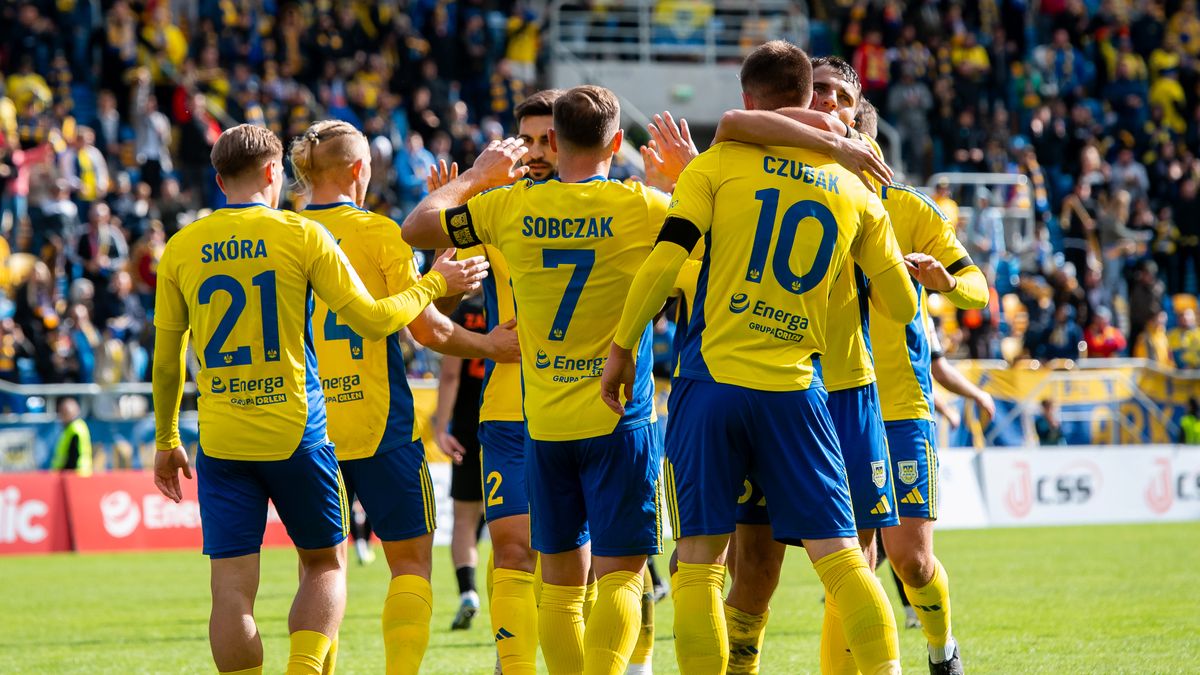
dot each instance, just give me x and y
(789, 225)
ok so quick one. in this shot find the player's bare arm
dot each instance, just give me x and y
(955, 382)
(809, 129)
(497, 165)
(436, 331)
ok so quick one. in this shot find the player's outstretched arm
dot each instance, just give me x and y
(653, 284)
(170, 353)
(436, 331)
(496, 166)
(376, 319)
(808, 129)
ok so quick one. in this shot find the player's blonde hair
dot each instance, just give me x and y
(244, 148)
(324, 149)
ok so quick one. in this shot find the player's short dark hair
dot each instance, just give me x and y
(866, 122)
(244, 148)
(538, 104)
(843, 69)
(586, 117)
(778, 74)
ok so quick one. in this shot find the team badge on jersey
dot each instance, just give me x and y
(908, 472)
(879, 473)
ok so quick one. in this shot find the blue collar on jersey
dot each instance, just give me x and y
(245, 206)
(332, 205)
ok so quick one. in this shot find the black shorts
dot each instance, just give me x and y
(466, 479)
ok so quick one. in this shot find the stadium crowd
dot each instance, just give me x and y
(110, 109)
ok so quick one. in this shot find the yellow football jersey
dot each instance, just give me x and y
(572, 250)
(365, 381)
(242, 280)
(848, 363)
(501, 398)
(777, 223)
(902, 350)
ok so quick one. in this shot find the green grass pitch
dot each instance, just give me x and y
(1054, 600)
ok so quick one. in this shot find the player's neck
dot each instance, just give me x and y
(332, 194)
(581, 168)
(249, 196)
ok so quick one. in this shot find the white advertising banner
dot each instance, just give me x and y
(1071, 486)
(960, 501)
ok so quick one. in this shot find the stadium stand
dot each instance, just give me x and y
(1086, 109)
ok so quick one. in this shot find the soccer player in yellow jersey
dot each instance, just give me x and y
(572, 245)
(749, 397)
(241, 282)
(940, 263)
(370, 406)
(511, 575)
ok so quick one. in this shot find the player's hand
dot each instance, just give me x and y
(671, 144)
(618, 373)
(450, 446)
(505, 347)
(439, 175)
(654, 174)
(499, 164)
(461, 275)
(929, 272)
(987, 408)
(167, 464)
(952, 418)
(859, 157)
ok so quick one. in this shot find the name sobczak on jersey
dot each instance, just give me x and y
(790, 322)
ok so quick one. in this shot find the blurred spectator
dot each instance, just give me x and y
(412, 168)
(1104, 340)
(73, 451)
(102, 248)
(1062, 339)
(85, 169)
(1152, 342)
(909, 103)
(1145, 299)
(1184, 341)
(1048, 425)
(664, 347)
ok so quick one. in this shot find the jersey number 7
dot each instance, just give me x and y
(582, 260)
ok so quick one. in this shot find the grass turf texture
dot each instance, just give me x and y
(1055, 600)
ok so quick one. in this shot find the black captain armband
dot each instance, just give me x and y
(680, 231)
(960, 265)
(461, 227)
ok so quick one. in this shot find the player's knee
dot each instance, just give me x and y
(515, 555)
(913, 564)
(316, 561)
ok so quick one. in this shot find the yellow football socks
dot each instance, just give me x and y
(308, 653)
(612, 629)
(866, 614)
(701, 638)
(514, 620)
(643, 651)
(406, 614)
(746, 633)
(256, 670)
(836, 658)
(560, 628)
(932, 604)
(589, 600)
(331, 658)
